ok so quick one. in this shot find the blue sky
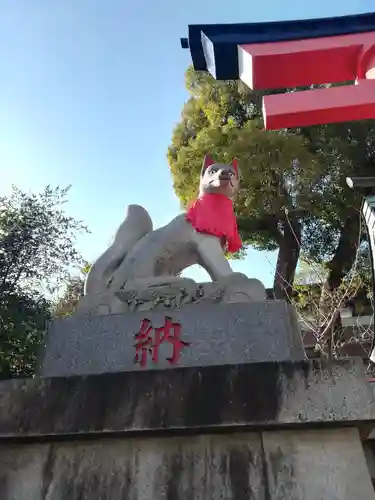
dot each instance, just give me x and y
(90, 92)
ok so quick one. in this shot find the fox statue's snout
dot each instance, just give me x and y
(225, 176)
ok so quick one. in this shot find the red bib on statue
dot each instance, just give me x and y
(213, 214)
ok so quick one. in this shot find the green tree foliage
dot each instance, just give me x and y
(73, 291)
(23, 319)
(293, 194)
(37, 251)
(37, 240)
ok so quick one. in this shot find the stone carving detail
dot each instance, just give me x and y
(139, 271)
(235, 288)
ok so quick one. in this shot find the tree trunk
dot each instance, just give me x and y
(287, 260)
(338, 267)
(346, 252)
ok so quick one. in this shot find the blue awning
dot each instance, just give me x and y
(213, 47)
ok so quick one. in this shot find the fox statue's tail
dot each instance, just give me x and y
(136, 225)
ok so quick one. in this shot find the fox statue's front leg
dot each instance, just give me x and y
(212, 257)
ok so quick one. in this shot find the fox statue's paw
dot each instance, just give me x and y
(240, 288)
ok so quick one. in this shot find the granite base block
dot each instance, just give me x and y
(293, 465)
(316, 465)
(213, 335)
(241, 432)
(191, 400)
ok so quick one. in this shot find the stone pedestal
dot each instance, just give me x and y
(205, 401)
(212, 335)
(262, 431)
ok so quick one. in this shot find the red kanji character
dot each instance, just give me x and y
(144, 343)
(169, 332)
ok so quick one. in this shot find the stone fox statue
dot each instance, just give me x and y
(140, 256)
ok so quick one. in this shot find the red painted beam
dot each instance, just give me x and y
(306, 108)
(303, 62)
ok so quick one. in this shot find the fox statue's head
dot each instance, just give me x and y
(219, 178)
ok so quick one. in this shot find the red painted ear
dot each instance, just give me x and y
(208, 161)
(235, 165)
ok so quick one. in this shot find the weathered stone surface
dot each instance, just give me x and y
(199, 468)
(189, 399)
(316, 465)
(217, 335)
(293, 465)
(369, 451)
(24, 472)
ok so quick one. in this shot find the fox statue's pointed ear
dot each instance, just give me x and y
(235, 165)
(207, 162)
